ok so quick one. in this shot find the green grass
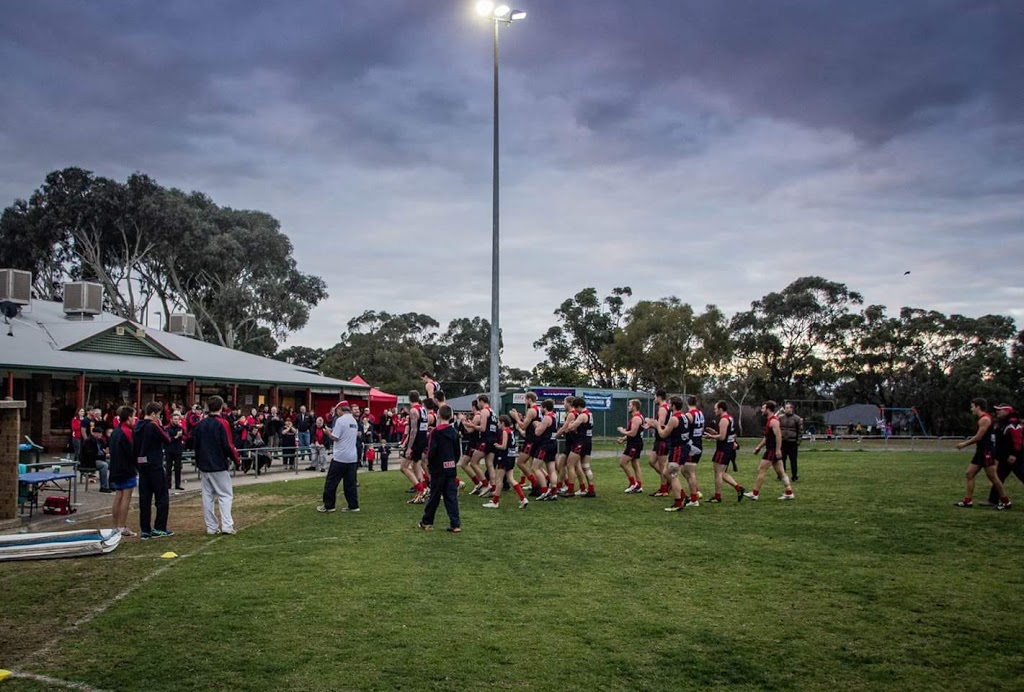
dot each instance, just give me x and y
(870, 580)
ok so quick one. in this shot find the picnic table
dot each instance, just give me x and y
(36, 481)
(59, 464)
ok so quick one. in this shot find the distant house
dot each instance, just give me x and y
(61, 358)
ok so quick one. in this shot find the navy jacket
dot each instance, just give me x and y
(150, 440)
(214, 451)
(444, 451)
(123, 466)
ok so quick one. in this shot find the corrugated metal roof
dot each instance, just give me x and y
(42, 333)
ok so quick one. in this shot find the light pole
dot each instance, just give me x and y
(499, 14)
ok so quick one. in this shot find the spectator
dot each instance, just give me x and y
(345, 462)
(792, 427)
(288, 438)
(95, 455)
(174, 450)
(272, 426)
(318, 446)
(357, 413)
(214, 453)
(123, 469)
(149, 442)
(304, 422)
(442, 455)
(76, 433)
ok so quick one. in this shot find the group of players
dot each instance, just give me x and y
(554, 460)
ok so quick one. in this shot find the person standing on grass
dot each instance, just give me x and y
(984, 440)
(504, 465)
(304, 423)
(545, 452)
(345, 463)
(676, 433)
(525, 423)
(124, 469)
(415, 444)
(725, 451)
(792, 427)
(659, 446)
(582, 430)
(1009, 441)
(214, 455)
(442, 462)
(174, 450)
(632, 436)
(150, 441)
(772, 445)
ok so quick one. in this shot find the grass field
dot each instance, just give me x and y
(870, 580)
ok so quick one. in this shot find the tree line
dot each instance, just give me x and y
(812, 341)
(233, 269)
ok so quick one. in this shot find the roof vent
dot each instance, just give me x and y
(83, 299)
(16, 286)
(182, 323)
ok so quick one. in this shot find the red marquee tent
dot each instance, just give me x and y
(379, 401)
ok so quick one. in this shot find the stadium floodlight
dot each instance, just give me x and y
(485, 8)
(517, 15)
(502, 11)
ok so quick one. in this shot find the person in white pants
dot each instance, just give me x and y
(214, 457)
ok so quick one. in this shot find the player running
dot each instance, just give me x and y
(414, 445)
(632, 436)
(676, 433)
(582, 428)
(772, 445)
(659, 448)
(984, 441)
(725, 451)
(1009, 443)
(486, 424)
(566, 473)
(546, 451)
(525, 423)
(504, 465)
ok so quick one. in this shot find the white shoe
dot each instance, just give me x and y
(630, 489)
(580, 493)
(787, 496)
(215, 532)
(750, 496)
(491, 505)
(527, 488)
(476, 489)
(486, 492)
(523, 503)
(543, 496)
(228, 532)
(694, 504)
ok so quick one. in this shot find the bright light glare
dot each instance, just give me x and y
(502, 11)
(484, 8)
(517, 15)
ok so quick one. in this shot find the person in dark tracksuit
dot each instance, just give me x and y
(174, 450)
(443, 452)
(149, 442)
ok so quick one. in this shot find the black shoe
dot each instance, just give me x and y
(178, 487)
(106, 490)
(794, 479)
(739, 494)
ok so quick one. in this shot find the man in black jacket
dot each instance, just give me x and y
(150, 439)
(304, 425)
(443, 453)
(94, 456)
(174, 450)
(214, 456)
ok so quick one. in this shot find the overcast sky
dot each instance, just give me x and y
(710, 149)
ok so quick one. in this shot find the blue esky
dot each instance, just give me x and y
(710, 149)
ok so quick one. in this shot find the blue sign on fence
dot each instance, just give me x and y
(597, 402)
(551, 393)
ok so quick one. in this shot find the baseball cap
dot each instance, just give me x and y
(1005, 407)
(342, 404)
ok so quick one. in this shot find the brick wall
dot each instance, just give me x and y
(10, 431)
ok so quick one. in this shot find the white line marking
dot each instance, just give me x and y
(55, 682)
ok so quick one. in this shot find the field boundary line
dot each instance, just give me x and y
(67, 684)
(95, 612)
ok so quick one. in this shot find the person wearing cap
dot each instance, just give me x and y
(344, 462)
(1009, 441)
(984, 443)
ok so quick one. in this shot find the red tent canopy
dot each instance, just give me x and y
(379, 401)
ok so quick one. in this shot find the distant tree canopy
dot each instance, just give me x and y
(232, 268)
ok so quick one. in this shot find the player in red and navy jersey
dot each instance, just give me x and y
(632, 437)
(659, 446)
(545, 466)
(984, 441)
(431, 387)
(504, 465)
(772, 445)
(676, 432)
(582, 429)
(725, 451)
(525, 423)
(567, 473)
(1009, 445)
(471, 436)
(415, 445)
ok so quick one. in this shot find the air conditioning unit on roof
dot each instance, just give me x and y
(16, 286)
(182, 323)
(83, 299)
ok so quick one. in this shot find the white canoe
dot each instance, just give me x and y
(54, 544)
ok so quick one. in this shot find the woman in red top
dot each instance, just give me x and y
(76, 432)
